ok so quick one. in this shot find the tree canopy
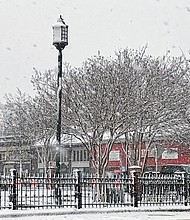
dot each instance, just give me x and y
(131, 95)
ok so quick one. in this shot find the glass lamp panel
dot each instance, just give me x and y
(57, 35)
(64, 34)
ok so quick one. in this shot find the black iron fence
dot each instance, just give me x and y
(79, 191)
(157, 189)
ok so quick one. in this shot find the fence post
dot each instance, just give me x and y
(79, 190)
(185, 188)
(13, 193)
(136, 188)
(135, 173)
(58, 199)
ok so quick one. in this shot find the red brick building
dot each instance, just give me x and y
(158, 156)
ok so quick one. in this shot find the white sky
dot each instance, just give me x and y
(94, 25)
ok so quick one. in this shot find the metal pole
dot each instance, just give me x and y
(156, 159)
(59, 96)
(58, 133)
(127, 162)
(14, 193)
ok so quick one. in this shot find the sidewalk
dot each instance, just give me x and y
(71, 211)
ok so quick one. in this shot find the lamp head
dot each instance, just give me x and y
(60, 34)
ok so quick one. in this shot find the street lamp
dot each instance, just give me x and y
(60, 40)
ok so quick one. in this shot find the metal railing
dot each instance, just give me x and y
(159, 189)
(79, 191)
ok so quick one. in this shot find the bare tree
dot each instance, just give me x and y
(133, 94)
(31, 121)
(161, 96)
(43, 115)
(17, 125)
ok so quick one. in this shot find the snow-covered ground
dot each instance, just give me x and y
(154, 213)
(113, 216)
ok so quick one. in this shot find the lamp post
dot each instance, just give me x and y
(60, 40)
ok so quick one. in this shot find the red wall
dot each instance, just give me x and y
(121, 161)
(181, 155)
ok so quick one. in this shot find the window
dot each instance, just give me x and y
(78, 155)
(85, 155)
(74, 155)
(2, 156)
(65, 156)
(81, 155)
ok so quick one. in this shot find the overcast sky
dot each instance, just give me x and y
(94, 25)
